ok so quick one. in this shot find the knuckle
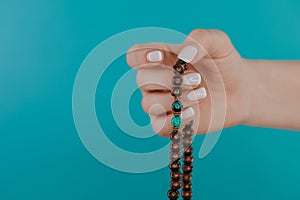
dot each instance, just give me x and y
(222, 36)
(199, 32)
(220, 33)
(208, 33)
(196, 31)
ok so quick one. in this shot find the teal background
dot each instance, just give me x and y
(42, 44)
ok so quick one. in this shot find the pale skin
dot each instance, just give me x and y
(239, 91)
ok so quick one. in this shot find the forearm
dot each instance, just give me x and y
(274, 100)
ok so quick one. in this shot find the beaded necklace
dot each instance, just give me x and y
(180, 139)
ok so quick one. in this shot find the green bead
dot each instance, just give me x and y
(176, 121)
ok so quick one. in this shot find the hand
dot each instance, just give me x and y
(217, 84)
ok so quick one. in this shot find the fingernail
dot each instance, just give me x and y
(154, 56)
(188, 53)
(197, 94)
(189, 112)
(192, 79)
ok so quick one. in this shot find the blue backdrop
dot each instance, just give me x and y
(43, 43)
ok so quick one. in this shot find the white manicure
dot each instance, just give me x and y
(188, 53)
(192, 79)
(189, 112)
(154, 56)
(197, 94)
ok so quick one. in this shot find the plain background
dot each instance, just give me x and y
(42, 44)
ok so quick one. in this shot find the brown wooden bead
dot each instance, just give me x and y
(173, 194)
(187, 141)
(188, 159)
(177, 80)
(187, 132)
(186, 177)
(174, 165)
(187, 150)
(178, 69)
(174, 156)
(180, 66)
(175, 146)
(187, 186)
(175, 185)
(176, 91)
(187, 168)
(175, 175)
(175, 136)
(186, 194)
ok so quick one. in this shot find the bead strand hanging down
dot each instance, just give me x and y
(188, 159)
(175, 146)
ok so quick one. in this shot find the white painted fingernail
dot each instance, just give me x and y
(192, 79)
(154, 56)
(197, 94)
(188, 53)
(189, 112)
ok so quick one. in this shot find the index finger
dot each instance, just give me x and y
(152, 54)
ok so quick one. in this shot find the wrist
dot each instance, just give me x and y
(253, 95)
(261, 94)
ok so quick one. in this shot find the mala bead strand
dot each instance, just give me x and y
(175, 145)
(188, 159)
(176, 137)
(185, 56)
(179, 179)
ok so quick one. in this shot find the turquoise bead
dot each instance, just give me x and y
(176, 121)
(176, 106)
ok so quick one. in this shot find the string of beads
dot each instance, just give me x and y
(180, 141)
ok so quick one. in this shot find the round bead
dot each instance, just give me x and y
(175, 146)
(175, 175)
(175, 156)
(186, 177)
(177, 80)
(188, 132)
(176, 106)
(179, 67)
(174, 165)
(187, 141)
(175, 184)
(188, 159)
(187, 168)
(173, 194)
(175, 136)
(188, 150)
(187, 186)
(186, 194)
(176, 121)
(176, 91)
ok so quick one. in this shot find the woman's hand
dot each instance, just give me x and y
(217, 86)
